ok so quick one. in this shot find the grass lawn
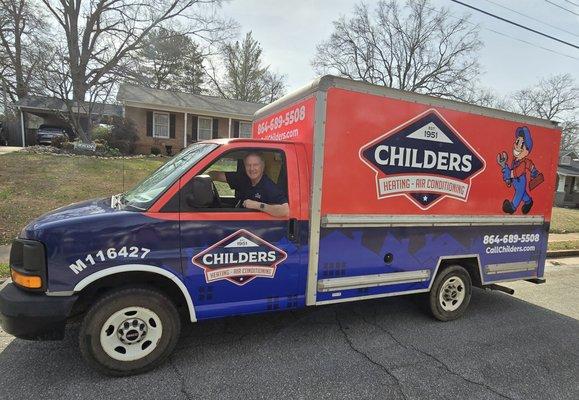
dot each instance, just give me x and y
(565, 220)
(33, 184)
(567, 245)
(4, 271)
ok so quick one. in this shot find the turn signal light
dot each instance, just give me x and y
(26, 281)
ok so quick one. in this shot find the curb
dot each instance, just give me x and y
(562, 253)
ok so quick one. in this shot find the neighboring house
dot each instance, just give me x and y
(567, 194)
(165, 118)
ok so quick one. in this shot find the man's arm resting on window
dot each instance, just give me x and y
(275, 210)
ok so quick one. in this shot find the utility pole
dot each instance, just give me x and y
(5, 98)
(22, 127)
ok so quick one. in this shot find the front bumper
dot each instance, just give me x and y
(44, 140)
(33, 316)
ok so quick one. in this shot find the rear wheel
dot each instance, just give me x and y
(450, 293)
(129, 331)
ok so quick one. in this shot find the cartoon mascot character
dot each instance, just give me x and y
(516, 174)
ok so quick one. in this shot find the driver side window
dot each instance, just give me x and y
(226, 163)
(229, 181)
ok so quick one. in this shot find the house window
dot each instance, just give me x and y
(245, 129)
(204, 128)
(161, 125)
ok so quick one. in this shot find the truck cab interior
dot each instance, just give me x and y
(202, 193)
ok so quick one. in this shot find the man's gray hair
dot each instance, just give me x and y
(254, 153)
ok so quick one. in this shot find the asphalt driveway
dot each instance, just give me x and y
(504, 348)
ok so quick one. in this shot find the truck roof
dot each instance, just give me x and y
(245, 140)
(326, 82)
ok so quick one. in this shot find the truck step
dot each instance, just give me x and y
(500, 288)
(537, 281)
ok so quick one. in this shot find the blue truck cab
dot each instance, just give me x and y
(378, 204)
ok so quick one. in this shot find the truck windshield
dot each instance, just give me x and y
(145, 193)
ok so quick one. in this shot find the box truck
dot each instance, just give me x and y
(384, 193)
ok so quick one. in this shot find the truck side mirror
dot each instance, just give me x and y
(202, 194)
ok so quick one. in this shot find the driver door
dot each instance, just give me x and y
(238, 261)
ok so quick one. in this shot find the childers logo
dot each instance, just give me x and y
(239, 258)
(424, 159)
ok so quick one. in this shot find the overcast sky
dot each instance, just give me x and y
(289, 31)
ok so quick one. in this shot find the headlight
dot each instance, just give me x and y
(28, 264)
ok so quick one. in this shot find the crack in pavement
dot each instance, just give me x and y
(431, 356)
(181, 378)
(367, 357)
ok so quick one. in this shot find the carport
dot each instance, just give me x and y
(54, 112)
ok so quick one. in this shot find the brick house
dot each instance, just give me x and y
(567, 189)
(165, 118)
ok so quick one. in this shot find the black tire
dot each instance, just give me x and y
(148, 302)
(456, 283)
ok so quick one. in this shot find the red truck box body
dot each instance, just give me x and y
(403, 183)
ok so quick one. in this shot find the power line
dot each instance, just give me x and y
(508, 36)
(570, 2)
(533, 18)
(561, 7)
(532, 44)
(516, 24)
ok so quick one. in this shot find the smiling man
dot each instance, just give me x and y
(255, 189)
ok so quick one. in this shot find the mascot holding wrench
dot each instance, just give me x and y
(516, 174)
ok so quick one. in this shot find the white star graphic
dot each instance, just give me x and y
(425, 198)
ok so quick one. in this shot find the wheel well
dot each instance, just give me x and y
(471, 264)
(98, 288)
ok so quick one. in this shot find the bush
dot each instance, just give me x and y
(101, 134)
(112, 152)
(124, 146)
(101, 148)
(124, 136)
(155, 151)
(121, 136)
(58, 141)
(68, 146)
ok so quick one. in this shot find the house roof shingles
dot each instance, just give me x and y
(52, 104)
(187, 101)
(568, 170)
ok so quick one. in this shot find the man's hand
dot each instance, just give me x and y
(251, 204)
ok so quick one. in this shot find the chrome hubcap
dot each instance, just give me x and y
(131, 333)
(452, 293)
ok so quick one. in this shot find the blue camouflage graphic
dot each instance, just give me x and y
(419, 248)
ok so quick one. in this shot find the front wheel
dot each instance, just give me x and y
(450, 293)
(129, 331)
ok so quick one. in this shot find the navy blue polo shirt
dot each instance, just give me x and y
(265, 191)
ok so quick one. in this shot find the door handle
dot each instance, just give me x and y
(292, 229)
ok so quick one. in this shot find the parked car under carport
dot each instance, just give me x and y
(47, 133)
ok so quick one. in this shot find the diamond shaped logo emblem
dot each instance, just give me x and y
(239, 258)
(424, 159)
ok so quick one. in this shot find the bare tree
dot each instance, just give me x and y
(274, 87)
(557, 99)
(244, 77)
(412, 47)
(22, 47)
(101, 34)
